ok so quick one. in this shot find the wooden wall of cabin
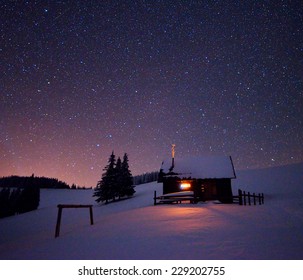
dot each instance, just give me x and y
(213, 189)
(171, 185)
(204, 189)
(224, 190)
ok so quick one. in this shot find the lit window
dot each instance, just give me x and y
(185, 186)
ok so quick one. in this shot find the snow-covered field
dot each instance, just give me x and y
(135, 229)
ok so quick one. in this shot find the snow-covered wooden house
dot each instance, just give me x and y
(208, 177)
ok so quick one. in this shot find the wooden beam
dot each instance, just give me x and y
(60, 208)
(74, 205)
(91, 214)
(58, 222)
(155, 198)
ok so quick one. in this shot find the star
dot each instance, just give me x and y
(79, 81)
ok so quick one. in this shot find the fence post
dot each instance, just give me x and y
(249, 198)
(240, 197)
(91, 215)
(262, 198)
(58, 221)
(244, 196)
(155, 198)
(254, 198)
(259, 196)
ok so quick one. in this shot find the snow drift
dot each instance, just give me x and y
(135, 229)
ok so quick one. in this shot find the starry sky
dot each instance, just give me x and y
(79, 79)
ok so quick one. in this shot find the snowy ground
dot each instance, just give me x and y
(135, 229)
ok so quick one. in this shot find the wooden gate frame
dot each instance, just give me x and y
(60, 208)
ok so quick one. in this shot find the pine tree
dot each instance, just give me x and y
(119, 178)
(14, 201)
(4, 202)
(29, 199)
(106, 187)
(30, 196)
(127, 188)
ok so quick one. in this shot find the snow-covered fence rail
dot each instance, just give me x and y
(246, 198)
(174, 198)
(243, 198)
(61, 206)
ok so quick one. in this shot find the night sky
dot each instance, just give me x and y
(79, 79)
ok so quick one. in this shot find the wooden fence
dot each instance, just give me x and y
(243, 198)
(247, 198)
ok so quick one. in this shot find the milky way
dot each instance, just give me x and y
(82, 78)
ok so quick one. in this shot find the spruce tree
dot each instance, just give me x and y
(119, 178)
(127, 188)
(106, 187)
(14, 201)
(4, 202)
(29, 197)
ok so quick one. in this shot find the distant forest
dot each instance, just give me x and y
(24, 196)
(41, 182)
(146, 178)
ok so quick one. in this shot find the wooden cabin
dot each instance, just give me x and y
(208, 177)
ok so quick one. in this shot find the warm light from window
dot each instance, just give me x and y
(185, 186)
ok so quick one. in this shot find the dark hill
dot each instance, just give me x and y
(24, 181)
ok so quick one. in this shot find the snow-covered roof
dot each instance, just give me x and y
(204, 167)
